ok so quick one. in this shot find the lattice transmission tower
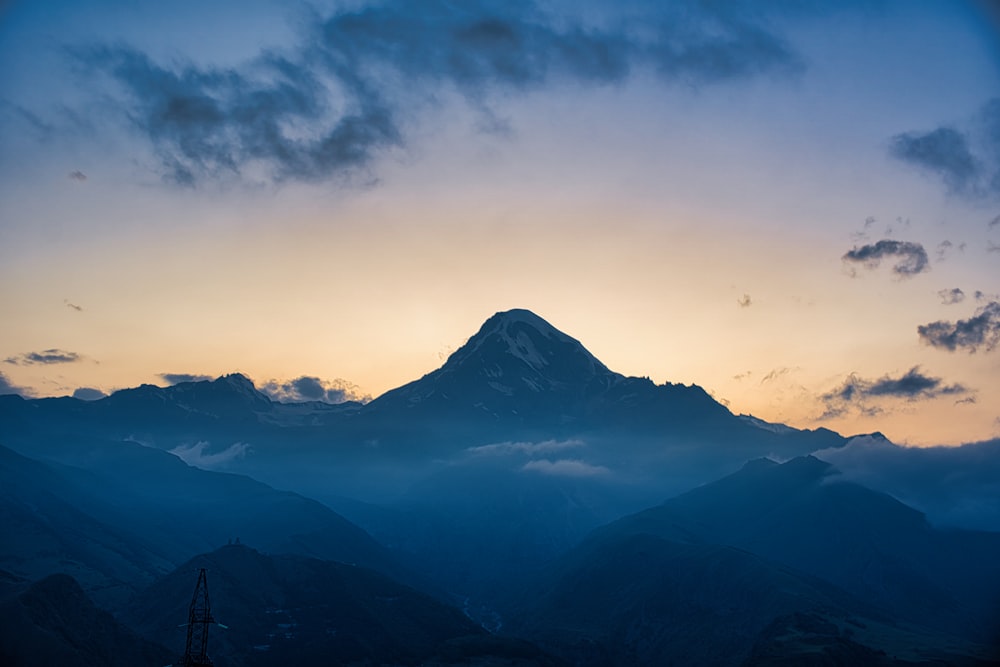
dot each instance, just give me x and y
(199, 618)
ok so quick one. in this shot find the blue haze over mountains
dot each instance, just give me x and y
(515, 499)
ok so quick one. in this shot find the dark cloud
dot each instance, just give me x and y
(77, 175)
(943, 248)
(7, 387)
(994, 222)
(75, 307)
(951, 296)
(309, 388)
(982, 296)
(177, 378)
(911, 257)
(744, 301)
(52, 356)
(956, 486)
(862, 395)
(980, 330)
(88, 394)
(966, 159)
(344, 94)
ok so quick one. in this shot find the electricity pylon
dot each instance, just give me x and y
(199, 618)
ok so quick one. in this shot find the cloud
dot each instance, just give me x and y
(177, 378)
(912, 256)
(994, 222)
(77, 175)
(565, 468)
(744, 301)
(349, 89)
(88, 394)
(75, 307)
(8, 387)
(980, 330)
(967, 159)
(310, 388)
(958, 486)
(196, 456)
(951, 296)
(943, 248)
(775, 374)
(525, 448)
(858, 393)
(52, 356)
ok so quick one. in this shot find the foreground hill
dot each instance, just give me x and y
(776, 564)
(803, 515)
(133, 513)
(53, 622)
(282, 610)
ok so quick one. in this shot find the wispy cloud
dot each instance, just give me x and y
(77, 175)
(525, 448)
(745, 301)
(310, 388)
(966, 159)
(774, 374)
(348, 91)
(951, 296)
(566, 468)
(70, 304)
(982, 330)
(52, 356)
(864, 396)
(196, 455)
(911, 258)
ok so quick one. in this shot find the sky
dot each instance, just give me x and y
(795, 205)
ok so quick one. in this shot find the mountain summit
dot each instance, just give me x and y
(517, 367)
(519, 346)
(518, 370)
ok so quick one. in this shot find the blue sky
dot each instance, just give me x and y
(791, 204)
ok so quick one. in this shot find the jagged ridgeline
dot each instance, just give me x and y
(521, 505)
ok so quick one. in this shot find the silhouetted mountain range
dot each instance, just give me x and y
(517, 378)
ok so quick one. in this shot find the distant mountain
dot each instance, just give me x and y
(52, 622)
(281, 610)
(519, 376)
